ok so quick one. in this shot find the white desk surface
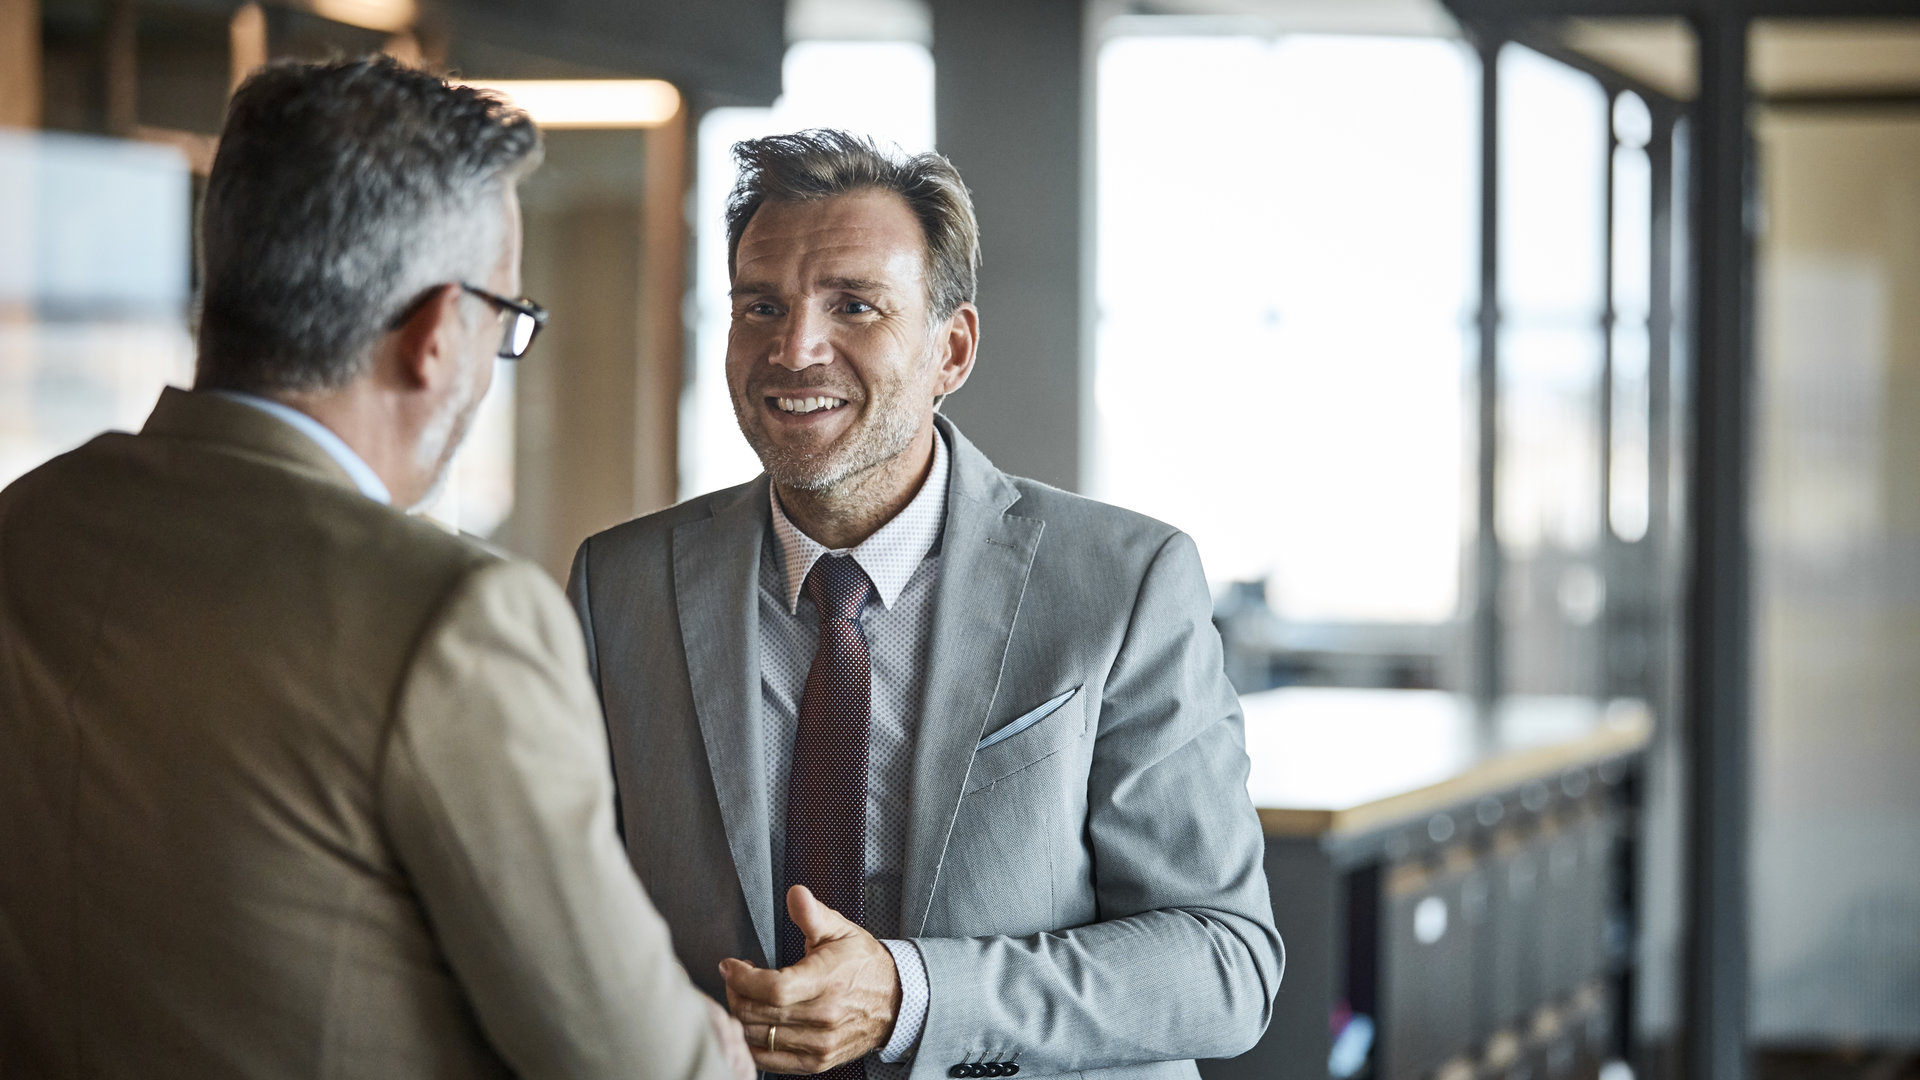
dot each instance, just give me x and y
(1337, 761)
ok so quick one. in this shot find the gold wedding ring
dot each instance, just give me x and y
(771, 1029)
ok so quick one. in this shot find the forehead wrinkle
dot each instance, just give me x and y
(846, 239)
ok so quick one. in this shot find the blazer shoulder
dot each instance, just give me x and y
(1089, 524)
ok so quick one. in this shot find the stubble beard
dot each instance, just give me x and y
(446, 432)
(827, 471)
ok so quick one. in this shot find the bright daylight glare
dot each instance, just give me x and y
(1287, 270)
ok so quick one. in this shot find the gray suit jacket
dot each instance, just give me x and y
(292, 785)
(1088, 892)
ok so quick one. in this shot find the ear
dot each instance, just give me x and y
(959, 340)
(426, 345)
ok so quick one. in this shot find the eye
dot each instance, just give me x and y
(858, 307)
(760, 307)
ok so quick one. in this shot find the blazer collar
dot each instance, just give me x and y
(716, 567)
(986, 556)
(210, 418)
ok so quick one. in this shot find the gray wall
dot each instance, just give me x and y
(1010, 96)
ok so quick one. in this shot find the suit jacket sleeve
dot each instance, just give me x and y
(1185, 961)
(497, 795)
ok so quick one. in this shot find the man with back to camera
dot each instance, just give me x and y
(296, 785)
(934, 771)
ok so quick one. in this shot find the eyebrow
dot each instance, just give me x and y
(844, 284)
(847, 284)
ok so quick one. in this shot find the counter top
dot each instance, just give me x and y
(1345, 762)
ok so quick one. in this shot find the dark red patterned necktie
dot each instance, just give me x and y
(827, 790)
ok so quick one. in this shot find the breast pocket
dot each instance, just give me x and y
(1032, 736)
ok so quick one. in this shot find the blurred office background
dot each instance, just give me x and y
(1527, 371)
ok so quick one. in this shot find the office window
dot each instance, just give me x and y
(1287, 267)
(1553, 242)
(94, 258)
(1629, 489)
(883, 89)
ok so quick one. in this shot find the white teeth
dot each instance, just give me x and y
(806, 404)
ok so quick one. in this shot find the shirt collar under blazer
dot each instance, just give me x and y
(889, 556)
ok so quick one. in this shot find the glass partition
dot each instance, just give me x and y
(1836, 527)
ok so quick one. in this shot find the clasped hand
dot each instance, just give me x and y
(836, 1004)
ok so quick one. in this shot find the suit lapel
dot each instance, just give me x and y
(986, 555)
(716, 585)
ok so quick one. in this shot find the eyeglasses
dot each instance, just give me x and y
(524, 322)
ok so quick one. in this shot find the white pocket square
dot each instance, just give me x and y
(1026, 721)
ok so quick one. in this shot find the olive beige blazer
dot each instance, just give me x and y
(292, 785)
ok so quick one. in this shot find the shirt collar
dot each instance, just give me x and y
(890, 555)
(356, 468)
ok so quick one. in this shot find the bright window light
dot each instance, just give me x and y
(1629, 462)
(883, 89)
(95, 246)
(1286, 267)
(589, 103)
(392, 16)
(1553, 236)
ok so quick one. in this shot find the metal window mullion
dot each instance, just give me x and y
(1610, 548)
(1660, 335)
(1489, 563)
(1718, 711)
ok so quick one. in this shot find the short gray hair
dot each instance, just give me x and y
(341, 193)
(822, 162)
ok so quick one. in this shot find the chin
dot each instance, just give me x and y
(805, 473)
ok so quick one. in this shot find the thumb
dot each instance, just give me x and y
(816, 920)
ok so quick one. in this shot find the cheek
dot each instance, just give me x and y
(886, 358)
(486, 378)
(736, 354)
(736, 370)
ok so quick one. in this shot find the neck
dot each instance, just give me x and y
(364, 421)
(856, 508)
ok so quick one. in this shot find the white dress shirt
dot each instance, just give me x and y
(902, 560)
(356, 468)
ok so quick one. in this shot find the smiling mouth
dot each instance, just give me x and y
(803, 405)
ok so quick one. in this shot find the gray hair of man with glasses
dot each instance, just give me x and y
(342, 192)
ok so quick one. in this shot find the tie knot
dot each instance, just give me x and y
(838, 587)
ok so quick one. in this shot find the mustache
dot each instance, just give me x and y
(799, 385)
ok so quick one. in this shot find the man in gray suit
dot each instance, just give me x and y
(932, 770)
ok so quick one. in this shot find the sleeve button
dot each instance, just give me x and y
(958, 1072)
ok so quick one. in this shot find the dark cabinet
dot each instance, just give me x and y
(1481, 957)
(1447, 889)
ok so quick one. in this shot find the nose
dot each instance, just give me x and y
(802, 342)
